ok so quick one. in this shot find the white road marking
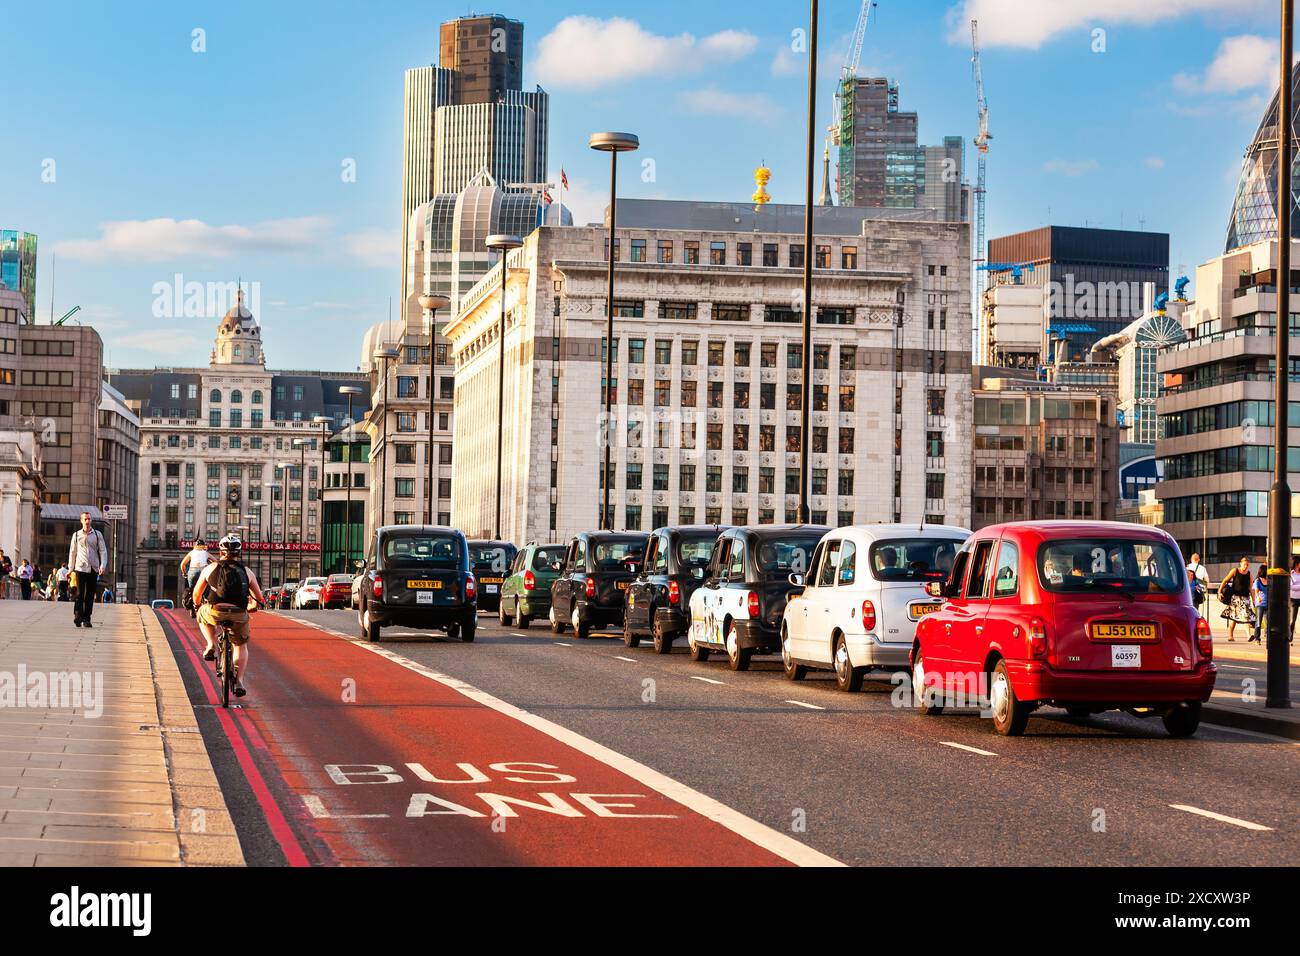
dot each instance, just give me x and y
(974, 750)
(517, 634)
(561, 644)
(800, 703)
(707, 680)
(1220, 817)
(759, 834)
(1252, 733)
(628, 659)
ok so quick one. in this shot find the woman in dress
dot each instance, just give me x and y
(1234, 592)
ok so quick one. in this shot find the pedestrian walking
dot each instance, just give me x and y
(1259, 598)
(88, 558)
(6, 569)
(63, 578)
(1295, 595)
(25, 574)
(1234, 592)
(1199, 579)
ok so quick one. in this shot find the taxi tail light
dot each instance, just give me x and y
(752, 605)
(377, 589)
(868, 616)
(470, 587)
(530, 580)
(1037, 637)
(591, 587)
(1204, 638)
(674, 593)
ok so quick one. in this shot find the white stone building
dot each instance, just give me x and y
(708, 377)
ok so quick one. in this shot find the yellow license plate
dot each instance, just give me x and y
(921, 610)
(622, 585)
(424, 585)
(490, 580)
(1107, 631)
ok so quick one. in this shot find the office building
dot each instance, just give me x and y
(1214, 447)
(118, 480)
(469, 115)
(708, 385)
(1254, 206)
(1093, 279)
(18, 266)
(881, 161)
(213, 439)
(1041, 450)
(21, 487)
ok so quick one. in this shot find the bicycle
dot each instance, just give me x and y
(225, 656)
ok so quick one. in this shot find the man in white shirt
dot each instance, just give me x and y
(62, 577)
(87, 558)
(192, 564)
(1202, 579)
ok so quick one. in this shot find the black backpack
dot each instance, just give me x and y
(228, 584)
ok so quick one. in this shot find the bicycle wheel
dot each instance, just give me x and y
(223, 656)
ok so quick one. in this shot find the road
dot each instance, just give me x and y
(713, 767)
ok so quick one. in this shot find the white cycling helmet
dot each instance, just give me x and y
(232, 544)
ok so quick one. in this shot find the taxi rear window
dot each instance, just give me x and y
(1110, 564)
(423, 551)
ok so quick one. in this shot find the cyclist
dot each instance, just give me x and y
(195, 561)
(222, 594)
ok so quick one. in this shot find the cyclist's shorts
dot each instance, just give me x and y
(235, 619)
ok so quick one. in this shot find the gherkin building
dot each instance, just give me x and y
(1254, 216)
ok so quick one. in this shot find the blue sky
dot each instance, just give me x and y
(228, 163)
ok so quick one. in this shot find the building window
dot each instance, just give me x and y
(629, 308)
(663, 351)
(677, 311)
(408, 386)
(638, 250)
(214, 418)
(405, 454)
(691, 252)
(796, 255)
(690, 352)
(633, 476)
(849, 257)
(730, 312)
(686, 478)
(717, 253)
(215, 396)
(404, 488)
(665, 251)
(823, 260)
(745, 253)
(636, 351)
(770, 254)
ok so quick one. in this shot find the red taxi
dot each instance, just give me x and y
(1084, 615)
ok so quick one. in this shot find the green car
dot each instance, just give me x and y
(526, 591)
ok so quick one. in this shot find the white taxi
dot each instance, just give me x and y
(863, 594)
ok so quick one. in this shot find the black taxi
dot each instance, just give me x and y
(417, 576)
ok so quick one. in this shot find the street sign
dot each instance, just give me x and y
(115, 512)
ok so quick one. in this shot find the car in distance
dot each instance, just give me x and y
(418, 576)
(589, 590)
(862, 596)
(659, 600)
(308, 594)
(337, 592)
(737, 609)
(1084, 615)
(526, 593)
(284, 600)
(162, 604)
(491, 561)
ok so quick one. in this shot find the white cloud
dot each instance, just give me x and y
(374, 247)
(160, 240)
(157, 342)
(1015, 23)
(1154, 162)
(1241, 63)
(785, 63)
(586, 202)
(586, 52)
(1070, 167)
(712, 101)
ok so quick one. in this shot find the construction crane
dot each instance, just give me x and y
(982, 145)
(850, 68)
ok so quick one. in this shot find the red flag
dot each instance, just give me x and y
(563, 178)
(547, 196)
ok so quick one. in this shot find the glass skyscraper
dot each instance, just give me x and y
(1254, 209)
(18, 265)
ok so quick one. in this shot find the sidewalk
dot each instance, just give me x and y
(1239, 693)
(109, 770)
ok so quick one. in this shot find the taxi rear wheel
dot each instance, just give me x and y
(927, 699)
(1010, 714)
(629, 638)
(502, 617)
(521, 619)
(467, 631)
(1182, 721)
(738, 657)
(557, 626)
(581, 629)
(792, 670)
(663, 641)
(370, 630)
(699, 653)
(847, 677)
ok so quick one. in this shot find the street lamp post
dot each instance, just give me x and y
(612, 143)
(284, 467)
(502, 244)
(258, 518)
(805, 418)
(1279, 498)
(324, 421)
(386, 355)
(431, 303)
(302, 444)
(350, 391)
(270, 532)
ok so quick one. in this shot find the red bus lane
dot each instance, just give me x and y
(375, 759)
